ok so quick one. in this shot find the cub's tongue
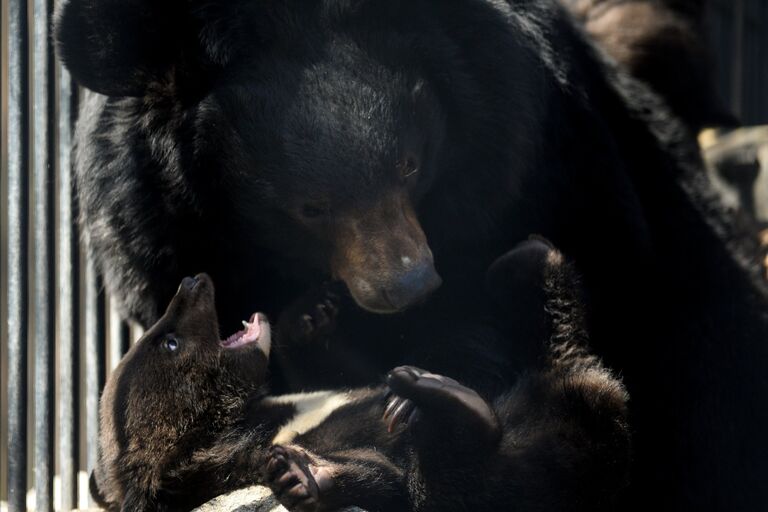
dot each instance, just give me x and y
(250, 334)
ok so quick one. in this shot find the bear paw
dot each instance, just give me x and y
(311, 318)
(298, 480)
(438, 406)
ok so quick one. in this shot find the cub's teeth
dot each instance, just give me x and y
(246, 324)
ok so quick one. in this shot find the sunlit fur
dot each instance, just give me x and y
(180, 428)
(224, 122)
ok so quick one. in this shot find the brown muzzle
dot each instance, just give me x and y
(382, 255)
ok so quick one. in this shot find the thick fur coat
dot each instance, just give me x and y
(397, 145)
(186, 416)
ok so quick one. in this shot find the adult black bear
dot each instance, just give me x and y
(269, 143)
(186, 416)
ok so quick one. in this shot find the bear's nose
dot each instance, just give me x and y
(413, 286)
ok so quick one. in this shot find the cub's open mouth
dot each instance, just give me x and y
(256, 331)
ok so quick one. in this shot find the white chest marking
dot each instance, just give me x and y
(311, 410)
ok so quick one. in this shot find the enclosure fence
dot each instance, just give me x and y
(60, 335)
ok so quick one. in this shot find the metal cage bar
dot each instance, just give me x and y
(18, 185)
(67, 300)
(43, 128)
(94, 336)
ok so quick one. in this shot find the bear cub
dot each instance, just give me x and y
(187, 416)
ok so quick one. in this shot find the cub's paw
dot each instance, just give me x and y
(437, 407)
(312, 317)
(518, 276)
(298, 480)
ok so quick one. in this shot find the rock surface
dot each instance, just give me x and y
(252, 499)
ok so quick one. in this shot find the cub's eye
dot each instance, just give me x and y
(314, 211)
(170, 344)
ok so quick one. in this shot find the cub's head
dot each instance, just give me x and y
(174, 390)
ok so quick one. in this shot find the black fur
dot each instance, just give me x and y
(663, 43)
(259, 154)
(164, 408)
(180, 427)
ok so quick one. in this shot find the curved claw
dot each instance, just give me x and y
(404, 410)
(392, 405)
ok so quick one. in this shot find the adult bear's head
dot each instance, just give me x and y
(334, 157)
(333, 149)
(322, 140)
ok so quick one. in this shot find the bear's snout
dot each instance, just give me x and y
(189, 283)
(391, 291)
(193, 288)
(383, 257)
(412, 286)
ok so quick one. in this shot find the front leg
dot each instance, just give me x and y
(305, 482)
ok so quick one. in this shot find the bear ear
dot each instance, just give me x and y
(119, 47)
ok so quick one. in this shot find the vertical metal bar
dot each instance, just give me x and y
(3, 247)
(737, 57)
(760, 69)
(125, 338)
(763, 59)
(136, 333)
(66, 332)
(751, 65)
(18, 162)
(118, 336)
(43, 258)
(94, 360)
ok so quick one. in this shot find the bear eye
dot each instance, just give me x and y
(170, 343)
(314, 211)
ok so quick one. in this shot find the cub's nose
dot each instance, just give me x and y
(200, 285)
(189, 283)
(413, 286)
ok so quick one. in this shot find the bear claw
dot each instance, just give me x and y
(399, 411)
